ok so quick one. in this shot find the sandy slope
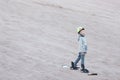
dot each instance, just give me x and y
(39, 36)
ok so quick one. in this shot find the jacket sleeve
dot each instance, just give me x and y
(85, 44)
(86, 48)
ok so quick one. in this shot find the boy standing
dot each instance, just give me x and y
(82, 50)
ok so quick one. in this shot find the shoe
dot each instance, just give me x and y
(84, 71)
(73, 67)
(82, 66)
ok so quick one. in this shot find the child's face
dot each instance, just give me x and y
(82, 32)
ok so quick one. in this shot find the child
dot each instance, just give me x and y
(82, 50)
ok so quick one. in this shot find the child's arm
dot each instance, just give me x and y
(85, 44)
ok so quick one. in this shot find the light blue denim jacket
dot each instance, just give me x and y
(82, 44)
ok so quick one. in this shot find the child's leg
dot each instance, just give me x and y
(77, 60)
(82, 61)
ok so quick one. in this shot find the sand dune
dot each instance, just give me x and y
(39, 36)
